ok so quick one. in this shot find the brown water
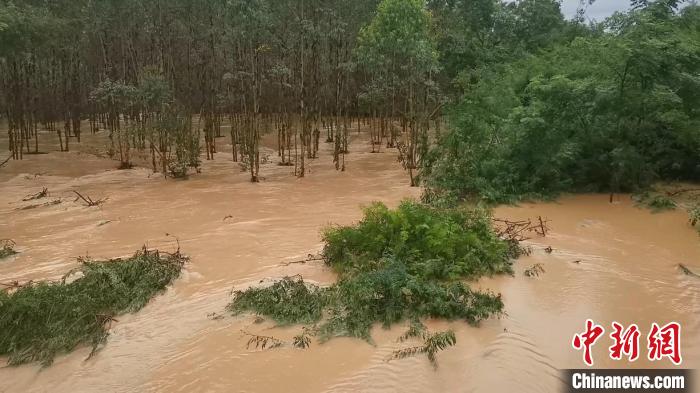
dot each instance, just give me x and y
(627, 272)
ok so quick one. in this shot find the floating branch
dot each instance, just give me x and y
(2, 164)
(433, 343)
(50, 203)
(261, 342)
(687, 271)
(88, 201)
(41, 194)
(309, 258)
(682, 191)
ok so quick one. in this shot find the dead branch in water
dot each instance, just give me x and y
(682, 191)
(88, 201)
(261, 341)
(41, 194)
(309, 258)
(687, 271)
(2, 164)
(519, 231)
(50, 203)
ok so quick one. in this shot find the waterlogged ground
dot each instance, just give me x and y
(610, 262)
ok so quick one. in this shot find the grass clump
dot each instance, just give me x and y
(40, 320)
(433, 243)
(395, 265)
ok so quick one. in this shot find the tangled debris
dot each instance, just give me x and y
(89, 202)
(39, 320)
(41, 194)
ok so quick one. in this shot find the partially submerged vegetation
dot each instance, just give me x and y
(7, 248)
(395, 265)
(664, 197)
(432, 343)
(41, 320)
(433, 243)
(694, 216)
(655, 202)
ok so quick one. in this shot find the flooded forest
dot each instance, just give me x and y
(342, 196)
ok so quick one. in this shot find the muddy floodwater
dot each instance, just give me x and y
(610, 262)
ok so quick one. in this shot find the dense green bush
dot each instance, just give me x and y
(390, 295)
(395, 265)
(612, 111)
(433, 243)
(41, 320)
(288, 301)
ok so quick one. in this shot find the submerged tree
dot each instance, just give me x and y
(397, 52)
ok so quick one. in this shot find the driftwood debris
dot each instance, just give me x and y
(681, 191)
(41, 194)
(309, 258)
(34, 206)
(521, 230)
(2, 164)
(687, 271)
(88, 201)
(261, 342)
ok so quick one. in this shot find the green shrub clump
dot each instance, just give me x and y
(40, 320)
(613, 111)
(433, 243)
(395, 265)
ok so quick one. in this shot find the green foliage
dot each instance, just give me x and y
(612, 111)
(390, 294)
(288, 301)
(655, 202)
(432, 343)
(434, 243)
(41, 320)
(398, 39)
(395, 265)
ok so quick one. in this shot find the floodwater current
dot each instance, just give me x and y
(609, 262)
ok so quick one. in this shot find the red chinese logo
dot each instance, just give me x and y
(587, 339)
(665, 342)
(662, 342)
(626, 342)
